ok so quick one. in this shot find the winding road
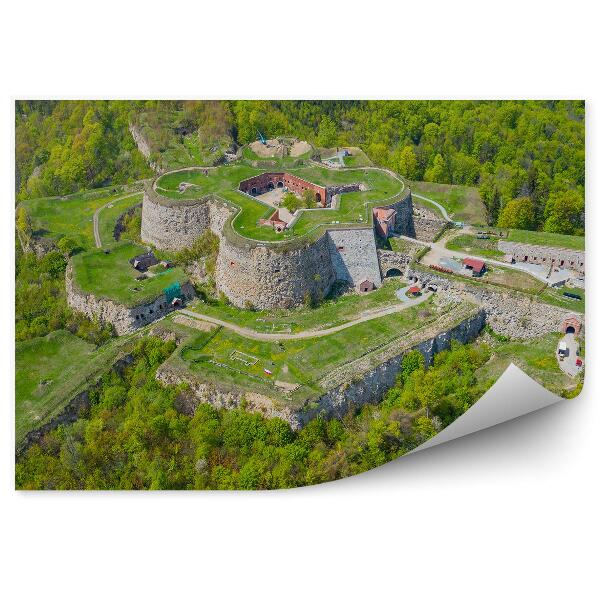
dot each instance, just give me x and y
(442, 209)
(271, 337)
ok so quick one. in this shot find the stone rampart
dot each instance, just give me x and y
(268, 278)
(509, 313)
(123, 318)
(362, 381)
(545, 255)
(173, 225)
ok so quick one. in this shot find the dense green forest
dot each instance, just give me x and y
(134, 436)
(526, 157)
(66, 146)
(40, 300)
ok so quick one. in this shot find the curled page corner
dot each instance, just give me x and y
(513, 395)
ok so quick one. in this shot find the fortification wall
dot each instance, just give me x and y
(544, 255)
(362, 383)
(171, 226)
(509, 313)
(427, 224)
(354, 255)
(123, 318)
(269, 278)
(403, 224)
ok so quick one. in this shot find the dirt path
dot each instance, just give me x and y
(97, 214)
(442, 209)
(271, 337)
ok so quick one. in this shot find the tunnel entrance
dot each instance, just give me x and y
(393, 273)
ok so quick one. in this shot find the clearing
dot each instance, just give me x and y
(51, 370)
(73, 216)
(462, 202)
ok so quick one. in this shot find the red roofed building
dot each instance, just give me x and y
(275, 221)
(414, 290)
(385, 219)
(476, 265)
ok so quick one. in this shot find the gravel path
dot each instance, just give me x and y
(97, 214)
(270, 337)
(442, 209)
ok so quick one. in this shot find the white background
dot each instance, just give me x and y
(511, 512)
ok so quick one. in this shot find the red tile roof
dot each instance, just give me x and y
(414, 290)
(476, 264)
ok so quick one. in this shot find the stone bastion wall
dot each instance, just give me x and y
(269, 275)
(509, 313)
(267, 278)
(544, 255)
(124, 319)
(357, 383)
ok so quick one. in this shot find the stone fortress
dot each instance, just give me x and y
(278, 274)
(287, 273)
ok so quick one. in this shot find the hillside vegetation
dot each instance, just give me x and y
(527, 158)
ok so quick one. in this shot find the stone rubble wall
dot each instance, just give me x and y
(427, 224)
(123, 318)
(509, 313)
(269, 275)
(354, 255)
(369, 386)
(544, 255)
(393, 260)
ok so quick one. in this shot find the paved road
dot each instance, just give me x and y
(271, 337)
(567, 365)
(439, 250)
(97, 213)
(442, 209)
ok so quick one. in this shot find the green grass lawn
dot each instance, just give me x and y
(542, 238)
(535, 357)
(555, 296)
(354, 207)
(513, 279)
(469, 243)
(111, 276)
(462, 202)
(107, 218)
(72, 217)
(50, 371)
(302, 361)
(328, 314)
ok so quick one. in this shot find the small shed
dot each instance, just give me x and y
(475, 265)
(366, 286)
(141, 262)
(415, 290)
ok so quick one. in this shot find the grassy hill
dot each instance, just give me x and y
(50, 371)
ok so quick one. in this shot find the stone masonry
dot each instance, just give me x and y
(270, 275)
(544, 255)
(124, 319)
(509, 313)
(354, 255)
(427, 224)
